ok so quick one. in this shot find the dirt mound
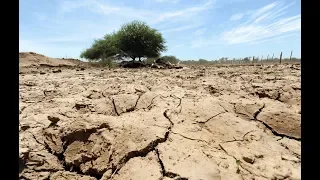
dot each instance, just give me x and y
(197, 123)
(75, 61)
(31, 59)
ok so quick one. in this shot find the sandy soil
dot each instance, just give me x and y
(205, 123)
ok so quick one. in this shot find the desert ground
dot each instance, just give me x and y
(201, 122)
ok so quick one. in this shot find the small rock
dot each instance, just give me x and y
(30, 84)
(24, 127)
(57, 71)
(80, 106)
(42, 72)
(259, 156)
(53, 119)
(24, 153)
(82, 69)
(248, 159)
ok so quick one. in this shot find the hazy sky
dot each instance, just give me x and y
(193, 29)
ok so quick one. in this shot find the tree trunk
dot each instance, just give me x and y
(140, 59)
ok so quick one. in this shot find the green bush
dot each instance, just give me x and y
(134, 40)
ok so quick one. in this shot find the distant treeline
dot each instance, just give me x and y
(113, 62)
(239, 61)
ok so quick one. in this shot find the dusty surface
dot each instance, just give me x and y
(212, 123)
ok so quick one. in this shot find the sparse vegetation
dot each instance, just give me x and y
(246, 60)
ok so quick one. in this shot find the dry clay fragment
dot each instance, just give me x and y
(63, 175)
(283, 122)
(30, 174)
(141, 168)
(248, 108)
(53, 140)
(125, 102)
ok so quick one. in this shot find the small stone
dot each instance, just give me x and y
(57, 71)
(24, 153)
(42, 72)
(248, 159)
(24, 127)
(53, 119)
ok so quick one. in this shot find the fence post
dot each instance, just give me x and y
(272, 56)
(290, 55)
(280, 57)
(252, 59)
(267, 57)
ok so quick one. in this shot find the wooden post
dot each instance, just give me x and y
(272, 56)
(267, 57)
(290, 55)
(280, 57)
(252, 59)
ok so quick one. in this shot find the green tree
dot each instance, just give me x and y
(134, 40)
(102, 48)
(138, 40)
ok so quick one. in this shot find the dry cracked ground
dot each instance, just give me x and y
(145, 124)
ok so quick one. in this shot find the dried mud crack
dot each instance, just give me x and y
(270, 128)
(81, 135)
(266, 125)
(167, 173)
(238, 162)
(226, 122)
(114, 107)
(144, 152)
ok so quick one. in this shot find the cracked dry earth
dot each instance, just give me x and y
(204, 123)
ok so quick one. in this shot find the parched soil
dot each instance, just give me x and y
(205, 123)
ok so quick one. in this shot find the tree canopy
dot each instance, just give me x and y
(134, 40)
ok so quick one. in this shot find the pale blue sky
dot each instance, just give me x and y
(193, 29)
